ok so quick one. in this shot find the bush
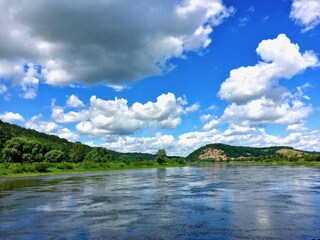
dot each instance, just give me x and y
(41, 167)
(55, 156)
(16, 168)
(65, 166)
(89, 165)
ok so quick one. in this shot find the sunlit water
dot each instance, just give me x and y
(206, 202)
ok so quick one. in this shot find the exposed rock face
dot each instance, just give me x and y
(212, 153)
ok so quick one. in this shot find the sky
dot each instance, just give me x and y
(173, 74)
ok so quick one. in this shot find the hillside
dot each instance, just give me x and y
(9, 131)
(223, 152)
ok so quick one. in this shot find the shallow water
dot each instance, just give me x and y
(207, 202)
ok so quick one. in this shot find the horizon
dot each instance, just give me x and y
(179, 76)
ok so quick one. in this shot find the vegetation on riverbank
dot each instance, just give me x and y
(46, 168)
(311, 160)
(25, 152)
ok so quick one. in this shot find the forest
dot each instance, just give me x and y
(28, 151)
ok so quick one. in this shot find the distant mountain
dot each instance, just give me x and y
(219, 151)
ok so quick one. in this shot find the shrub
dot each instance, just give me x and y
(41, 166)
(55, 156)
(65, 166)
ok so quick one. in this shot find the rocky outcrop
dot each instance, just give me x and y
(213, 153)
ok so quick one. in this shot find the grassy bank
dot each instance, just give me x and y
(265, 163)
(43, 168)
(280, 163)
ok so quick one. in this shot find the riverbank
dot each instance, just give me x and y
(14, 170)
(265, 163)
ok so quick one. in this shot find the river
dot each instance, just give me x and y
(215, 201)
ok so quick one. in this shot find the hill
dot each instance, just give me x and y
(50, 142)
(219, 151)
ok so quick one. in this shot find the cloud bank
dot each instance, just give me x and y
(90, 42)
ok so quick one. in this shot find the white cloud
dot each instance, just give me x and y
(235, 135)
(74, 101)
(29, 83)
(281, 59)
(193, 108)
(11, 117)
(205, 117)
(238, 130)
(60, 116)
(143, 144)
(108, 117)
(51, 128)
(126, 43)
(297, 127)
(266, 111)
(306, 13)
(211, 124)
(3, 88)
(254, 93)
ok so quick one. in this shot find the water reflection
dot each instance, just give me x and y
(204, 202)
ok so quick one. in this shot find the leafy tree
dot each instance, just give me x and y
(55, 156)
(161, 156)
(125, 159)
(23, 150)
(99, 154)
(138, 158)
(77, 152)
(4, 136)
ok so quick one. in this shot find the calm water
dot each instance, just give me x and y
(207, 202)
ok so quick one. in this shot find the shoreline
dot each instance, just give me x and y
(80, 171)
(55, 171)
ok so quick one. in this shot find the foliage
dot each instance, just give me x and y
(161, 156)
(23, 150)
(55, 156)
(77, 152)
(98, 154)
(238, 151)
(41, 167)
(125, 159)
(65, 166)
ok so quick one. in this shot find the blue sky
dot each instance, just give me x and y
(163, 74)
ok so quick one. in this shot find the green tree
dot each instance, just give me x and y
(99, 154)
(23, 150)
(138, 158)
(77, 152)
(55, 156)
(125, 159)
(4, 136)
(161, 156)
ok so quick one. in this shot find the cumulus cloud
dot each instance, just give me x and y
(297, 127)
(254, 92)
(306, 13)
(211, 124)
(235, 135)
(281, 59)
(100, 41)
(266, 111)
(108, 117)
(74, 101)
(143, 144)
(11, 117)
(193, 108)
(51, 128)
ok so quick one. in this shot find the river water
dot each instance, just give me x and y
(215, 201)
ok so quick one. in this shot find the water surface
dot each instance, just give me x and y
(207, 202)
